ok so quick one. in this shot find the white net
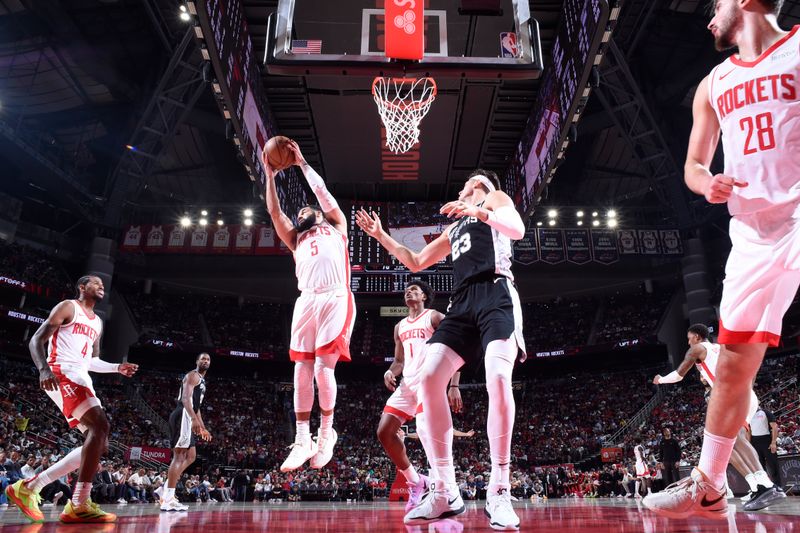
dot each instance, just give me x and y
(402, 104)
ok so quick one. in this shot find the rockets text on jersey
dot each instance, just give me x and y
(413, 335)
(321, 259)
(72, 344)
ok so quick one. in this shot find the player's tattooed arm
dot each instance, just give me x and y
(60, 315)
(693, 355)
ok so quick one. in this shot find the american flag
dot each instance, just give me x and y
(307, 46)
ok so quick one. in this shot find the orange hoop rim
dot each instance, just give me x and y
(404, 81)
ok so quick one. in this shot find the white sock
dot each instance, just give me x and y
(714, 457)
(303, 429)
(638, 485)
(499, 363)
(410, 474)
(169, 493)
(82, 492)
(326, 424)
(763, 479)
(751, 482)
(69, 463)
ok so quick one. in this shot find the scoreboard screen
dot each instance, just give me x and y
(383, 282)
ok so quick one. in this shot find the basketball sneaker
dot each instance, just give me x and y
(691, 496)
(303, 449)
(437, 504)
(763, 498)
(324, 449)
(500, 511)
(26, 499)
(173, 505)
(88, 513)
(416, 491)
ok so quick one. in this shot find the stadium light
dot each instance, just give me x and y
(204, 213)
(594, 214)
(186, 222)
(580, 222)
(595, 223)
(611, 214)
(579, 214)
(203, 221)
(612, 223)
(248, 212)
(552, 222)
(184, 14)
(248, 222)
(220, 222)
(539, 223)
(552, 214)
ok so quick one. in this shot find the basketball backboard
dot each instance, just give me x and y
(324, 37)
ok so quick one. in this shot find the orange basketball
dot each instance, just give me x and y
(278, 153)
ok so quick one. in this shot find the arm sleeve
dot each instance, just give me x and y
(507, 221)
(102, 367)
(326, 200)
(672, 377)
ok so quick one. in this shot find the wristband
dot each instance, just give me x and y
(453, 387)
(507, 221)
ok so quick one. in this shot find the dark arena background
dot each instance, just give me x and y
(130, 142)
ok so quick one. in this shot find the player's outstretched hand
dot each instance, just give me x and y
(454, 397)
(657, 379)
(720, 188)
(205, 435)
(458, 209)
(47, 380)
(389, 380)
(369, 222)
(299, 160)
(128, 369)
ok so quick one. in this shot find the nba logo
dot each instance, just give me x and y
(508, 44)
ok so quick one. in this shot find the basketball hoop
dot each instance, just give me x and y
(402, 104)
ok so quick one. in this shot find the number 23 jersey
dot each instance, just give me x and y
(477, 248)
(757, 104)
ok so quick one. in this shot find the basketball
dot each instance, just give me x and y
(279, 155)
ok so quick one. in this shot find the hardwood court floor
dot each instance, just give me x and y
(556, 515)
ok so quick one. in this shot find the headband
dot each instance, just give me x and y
(484, 181)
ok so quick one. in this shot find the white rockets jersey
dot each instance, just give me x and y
(321, 259)
(638, 451)
(413, 335)
(708, 367)
(71, 344)
(758, 107)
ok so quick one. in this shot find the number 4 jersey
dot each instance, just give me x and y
(70, 347)
(757, 104)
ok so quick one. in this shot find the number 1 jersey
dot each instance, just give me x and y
(758, 107)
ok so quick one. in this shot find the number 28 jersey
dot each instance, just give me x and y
(757, 104)
(476, 249)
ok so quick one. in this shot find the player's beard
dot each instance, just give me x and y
(306, 224)
(726, 29)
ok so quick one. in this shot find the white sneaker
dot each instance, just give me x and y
(500, 511)
(690, 496)
(437, 504)
(57, 496)
(303, 449)
(173, 505)
(747, 497)
(122, 501)
(324, 449)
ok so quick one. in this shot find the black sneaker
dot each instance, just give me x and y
(763, 498)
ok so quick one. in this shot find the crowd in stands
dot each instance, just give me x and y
(630, 315)
(28, 264)
(558, 323)
(174, 317)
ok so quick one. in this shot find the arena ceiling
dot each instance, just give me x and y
(77, 76)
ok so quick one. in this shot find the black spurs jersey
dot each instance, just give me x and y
(198, 393)
(477, 249)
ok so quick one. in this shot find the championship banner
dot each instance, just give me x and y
(604, 246)
(199, 241)
(671, 242)
(628, 243)
(551, 245)
(132, 238)
(578, 246)
(155, 239)
(611, 455)
(525, 249)
(648, 238)
(176, 239)
(145, 453)
(221, 240)
(243, 240)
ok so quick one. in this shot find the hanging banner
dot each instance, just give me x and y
(221, 240)
(176, 243)
(199, 241)
(155, 239)
(604, 246)
(525, 250)
(551, 245)
(577, 241)
(648, 239)
(628, 243)
(132, 239)
(671, 242)
(243, 243)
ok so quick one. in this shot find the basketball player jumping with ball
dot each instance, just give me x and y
(323, 314)
(751, 99)
(484, 317)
